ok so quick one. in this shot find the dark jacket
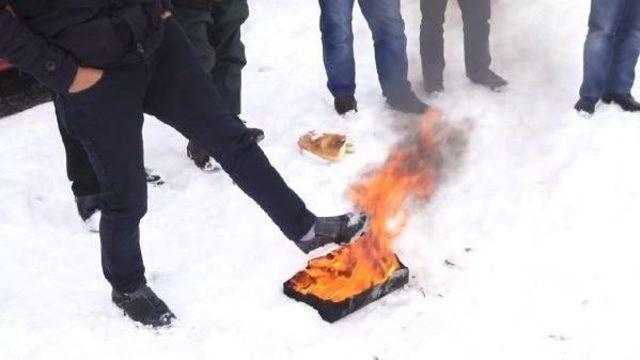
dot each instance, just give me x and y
(199, 4)
(50, 45)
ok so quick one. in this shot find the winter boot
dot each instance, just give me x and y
(625, 101)
(345, 103)
(407, 103)
(144, 306)
(256, 134)
(201, 157)
(586, 106)
(488, 79)
(337, 229)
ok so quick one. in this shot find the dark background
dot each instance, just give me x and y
(19, 92)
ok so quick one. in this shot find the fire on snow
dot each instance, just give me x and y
(409, 173)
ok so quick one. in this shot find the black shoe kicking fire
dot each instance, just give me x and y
(144, 306)
(625, 101)
(344, 104)
(337, 229)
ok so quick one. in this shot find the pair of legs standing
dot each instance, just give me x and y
(387, 26)
(611, 54)
(476, 15)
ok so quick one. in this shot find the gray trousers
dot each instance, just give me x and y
(476, 15)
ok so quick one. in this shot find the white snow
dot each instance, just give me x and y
(541, 222)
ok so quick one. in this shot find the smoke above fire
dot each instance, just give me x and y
(409, 176)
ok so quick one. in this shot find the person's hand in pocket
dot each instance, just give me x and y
(86, 77)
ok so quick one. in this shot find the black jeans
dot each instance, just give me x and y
(171, 85)
(79, 171)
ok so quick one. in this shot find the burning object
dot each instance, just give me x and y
(345, 302)
(353, 276)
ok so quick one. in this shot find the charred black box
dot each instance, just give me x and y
(332, 311)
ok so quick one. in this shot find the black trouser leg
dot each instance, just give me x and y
(186, 100)
(107, 120)
(432, 40)
(79, 171)
(224, 35)
(476, 15)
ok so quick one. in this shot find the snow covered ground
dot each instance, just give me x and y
(529, 252)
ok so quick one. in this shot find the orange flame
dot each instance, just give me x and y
(408, 173)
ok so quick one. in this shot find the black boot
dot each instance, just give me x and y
(344, 104)
(144, 306)
(586, 105)
(88, 205)
(407, 103)
(625, 101)
(256, 134)
(201, 157)
(488, 79)
(337, 229)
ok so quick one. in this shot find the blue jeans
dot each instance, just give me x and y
(612, 47)
(386, 24)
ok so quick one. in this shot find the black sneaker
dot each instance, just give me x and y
(407, 103)
(344, 104)
(337, 229)
(144, 306)
(625, 101)
(488, 79)
(586, 106)
(88, 205)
